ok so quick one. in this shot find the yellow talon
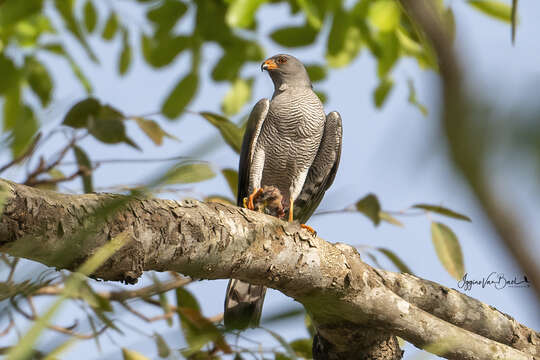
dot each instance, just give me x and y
(255, 194)
(291, 209)
(308, 228)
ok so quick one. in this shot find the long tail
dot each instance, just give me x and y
(243, 304)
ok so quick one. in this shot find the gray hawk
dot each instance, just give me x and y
(290, 144)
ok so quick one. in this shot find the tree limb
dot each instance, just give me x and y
(216, 241)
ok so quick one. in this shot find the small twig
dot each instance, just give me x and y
(8, 328)
(21, 157)
(43, 168)
(124, 295)
(140, 315)
(12, 270)
(36, 182)
(61, 329)
(114, 161)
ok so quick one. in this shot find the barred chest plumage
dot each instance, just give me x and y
(290, 138)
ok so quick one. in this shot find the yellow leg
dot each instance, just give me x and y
(291, 209)
(256, 193)
(308, 228)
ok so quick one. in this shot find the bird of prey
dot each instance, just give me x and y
(289, 144)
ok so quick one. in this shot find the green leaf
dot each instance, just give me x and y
(237, 96)
(180, 96)
(189, 173)
(316, 72)
(159, 52)
(92, 298)
(408, 45)
(294, 36)
(241, 13)
(164, 303)
(108, 127)
(124, 60)
(231, 133)
(104, 122)
(496, 9)
(369, 205)
(312, 13)
(280, 356)
(395, 260)
(381, 92)
(442, 211)
(90, 16)
(413, 100)
(133, 355)
(344, 41)
(20, 120)
(231, 176)
(302, 347)
(83, 162)
(389, 54)
(12, 12)
(384, 14)
(197, 329)
(166, 15)
(153, 130)
(390, 219)
(8, 73)
(66, 10)
(39, 79)
(448, 249)
(162, 347)
(80, 114)
(111, 27)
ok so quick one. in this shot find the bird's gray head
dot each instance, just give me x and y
(286, 70)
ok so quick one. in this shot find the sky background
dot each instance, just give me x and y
(395, 153)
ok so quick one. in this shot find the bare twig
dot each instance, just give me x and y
(21, 157)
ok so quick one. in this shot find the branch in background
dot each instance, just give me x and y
(23, 156)
(465, 143)
(216, 241)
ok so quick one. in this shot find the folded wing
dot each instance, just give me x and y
(323, 170)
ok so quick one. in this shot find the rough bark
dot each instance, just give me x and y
(215, 241)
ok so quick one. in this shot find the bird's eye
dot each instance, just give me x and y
(282, 60)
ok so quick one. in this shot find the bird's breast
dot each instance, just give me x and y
(291, 136)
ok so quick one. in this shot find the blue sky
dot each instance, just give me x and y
(394, 152)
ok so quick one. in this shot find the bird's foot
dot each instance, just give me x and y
(248, 202)
(308, 228)
(269, 202)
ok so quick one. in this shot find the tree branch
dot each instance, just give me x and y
(216, 241)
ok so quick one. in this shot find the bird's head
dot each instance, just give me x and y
(286, 70)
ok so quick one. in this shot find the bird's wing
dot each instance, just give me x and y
(253, 129)
(323, 169)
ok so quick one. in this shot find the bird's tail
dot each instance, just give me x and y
(243, 304)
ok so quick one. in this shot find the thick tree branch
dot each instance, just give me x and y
(216, 241)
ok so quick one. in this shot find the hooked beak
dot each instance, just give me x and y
(269, 64)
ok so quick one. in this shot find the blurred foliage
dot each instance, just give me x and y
(34, 32)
